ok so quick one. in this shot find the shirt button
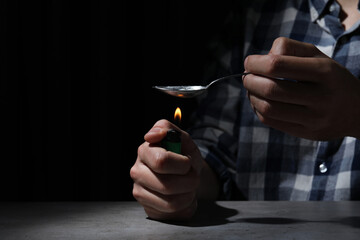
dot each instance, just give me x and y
(323, 168)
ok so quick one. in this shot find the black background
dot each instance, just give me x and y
(75, 93)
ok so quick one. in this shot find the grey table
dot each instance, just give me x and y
(220, 220)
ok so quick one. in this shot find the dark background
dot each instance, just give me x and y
(75, 89)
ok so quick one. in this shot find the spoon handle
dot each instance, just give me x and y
(229, 76)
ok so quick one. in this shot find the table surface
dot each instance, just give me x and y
(218, 220)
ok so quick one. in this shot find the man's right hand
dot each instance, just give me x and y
(166, 183)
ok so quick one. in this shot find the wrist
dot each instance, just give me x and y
(209, 184)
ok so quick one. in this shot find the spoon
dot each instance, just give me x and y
(192, 91)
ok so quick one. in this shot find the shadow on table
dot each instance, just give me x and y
(350, 221)
(207, 214)
(353, 221)
(212, 214)
(271, 220)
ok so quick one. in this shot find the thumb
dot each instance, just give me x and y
(158, 131)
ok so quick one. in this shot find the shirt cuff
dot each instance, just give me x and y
(227, 185)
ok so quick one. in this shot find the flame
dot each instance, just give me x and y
(177, 115)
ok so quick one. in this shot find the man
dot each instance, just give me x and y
(289, 131)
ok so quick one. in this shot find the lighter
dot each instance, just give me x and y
(172, 141)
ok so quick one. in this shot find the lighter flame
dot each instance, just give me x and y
(177, 115)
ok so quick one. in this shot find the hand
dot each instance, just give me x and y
(321, 104)
(165, 183)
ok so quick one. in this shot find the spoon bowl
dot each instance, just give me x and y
(192, 91)
(182, 91)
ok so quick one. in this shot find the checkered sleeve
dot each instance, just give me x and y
(215, 133)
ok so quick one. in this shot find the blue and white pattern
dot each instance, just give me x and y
(256, 162)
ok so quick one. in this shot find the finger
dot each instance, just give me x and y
(294, 129)
(163, 203)
(290, 47)
(289, 67)
(185, 214)
(162, 161)
(158, 131)
(165, 184)
(285, 112)
(280, 90)
(155, 135)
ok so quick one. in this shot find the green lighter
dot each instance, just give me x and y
(172, 141)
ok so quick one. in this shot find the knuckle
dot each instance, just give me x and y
(140, 150)
(185, 165)
(246, 64)
(160, 160)
(327, 68)
(274, 64)
(136, 192)
(265, 109)
(270, 90)
(133, 173)
(324, 68)
(281, 41)
(281, 46)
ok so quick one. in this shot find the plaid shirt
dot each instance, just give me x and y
(256, 162)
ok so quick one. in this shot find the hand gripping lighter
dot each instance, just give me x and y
(172, 141)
